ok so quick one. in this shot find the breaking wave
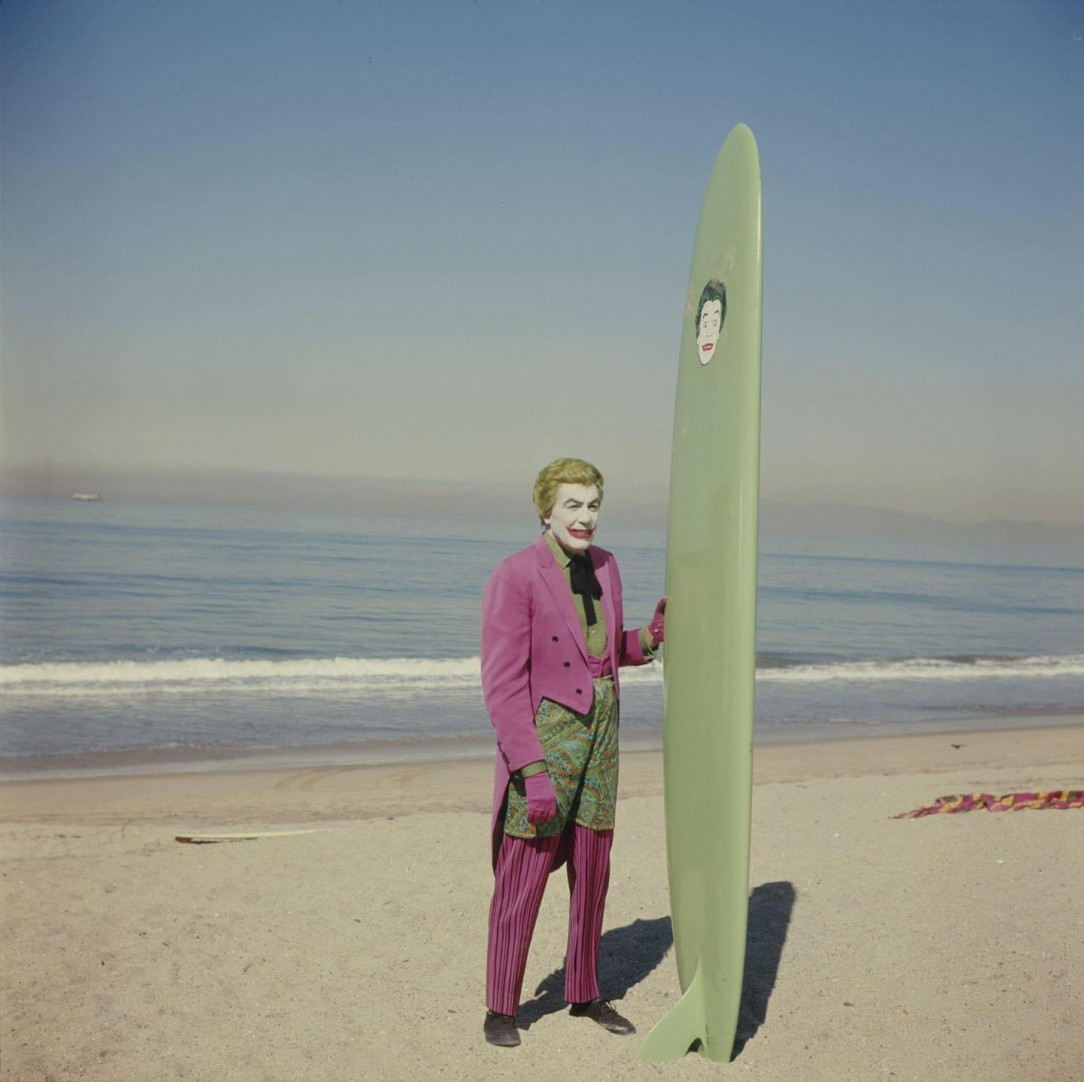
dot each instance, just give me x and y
(401, 676)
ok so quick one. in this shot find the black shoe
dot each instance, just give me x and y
(602, 1012)
(500, 1029)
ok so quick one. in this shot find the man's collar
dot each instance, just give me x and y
(563, 559)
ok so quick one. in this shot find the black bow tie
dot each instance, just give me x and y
(584, 583)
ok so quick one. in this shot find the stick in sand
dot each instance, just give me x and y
(251, 836)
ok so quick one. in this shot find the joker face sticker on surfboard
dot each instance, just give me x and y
(710, 314)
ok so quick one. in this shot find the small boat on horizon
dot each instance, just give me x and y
(85, 496)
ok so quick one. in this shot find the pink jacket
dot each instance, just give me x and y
(533, 649)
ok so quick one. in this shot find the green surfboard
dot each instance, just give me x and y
(711, 587)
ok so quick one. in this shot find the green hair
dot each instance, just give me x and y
(563, 471)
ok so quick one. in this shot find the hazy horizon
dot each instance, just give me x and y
(451, 240)
(502, 500)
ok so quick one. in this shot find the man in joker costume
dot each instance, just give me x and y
(553, 640)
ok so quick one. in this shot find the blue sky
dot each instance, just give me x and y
(450, 240)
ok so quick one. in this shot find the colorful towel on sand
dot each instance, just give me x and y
(1066, 798)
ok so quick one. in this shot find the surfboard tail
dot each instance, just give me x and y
(675, 1033)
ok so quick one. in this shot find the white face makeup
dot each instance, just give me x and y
(574, 517)
(711, 323)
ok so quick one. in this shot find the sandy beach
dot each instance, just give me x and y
(947, 947)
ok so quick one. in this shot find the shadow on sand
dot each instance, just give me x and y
(770, 908)
(627, 955)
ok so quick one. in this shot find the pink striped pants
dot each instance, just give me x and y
(523, 866)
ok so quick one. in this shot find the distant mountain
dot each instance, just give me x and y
(847, 520)
(286, 491)
(833, 519)
(498, 500)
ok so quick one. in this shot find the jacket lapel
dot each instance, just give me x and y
(602, 573)
(554, 578)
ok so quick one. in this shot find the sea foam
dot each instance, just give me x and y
(405, 675)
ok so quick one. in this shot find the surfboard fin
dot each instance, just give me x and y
(676, 1032)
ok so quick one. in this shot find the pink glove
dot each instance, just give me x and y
(657, 627)
(541, 799)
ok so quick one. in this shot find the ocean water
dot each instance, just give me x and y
(136, 636)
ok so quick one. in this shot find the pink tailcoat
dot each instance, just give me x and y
(533, 648)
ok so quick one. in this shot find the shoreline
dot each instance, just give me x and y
(344, 792)
(216, 758)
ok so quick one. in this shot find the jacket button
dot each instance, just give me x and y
(568, 664)
(555, 638)
(579, 691)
